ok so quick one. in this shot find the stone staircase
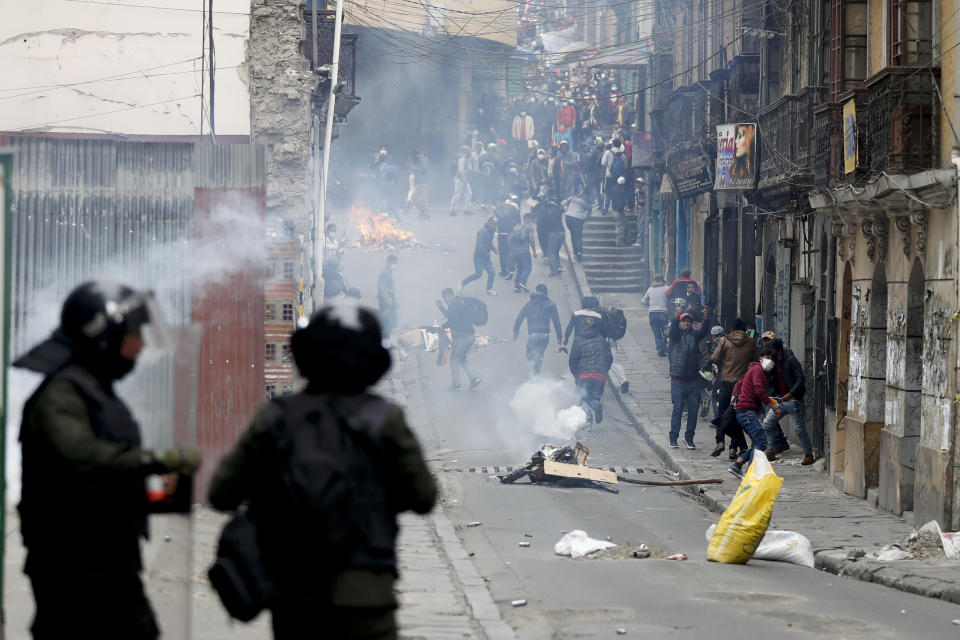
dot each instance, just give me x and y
(609, 268)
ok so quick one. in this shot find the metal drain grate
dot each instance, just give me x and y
(499, 470)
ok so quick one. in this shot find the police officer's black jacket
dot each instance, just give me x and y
(367, 576)
(83, 495)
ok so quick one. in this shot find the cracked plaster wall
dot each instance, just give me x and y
(281, 86)
(145, 63)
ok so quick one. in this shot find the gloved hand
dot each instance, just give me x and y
(183, 460)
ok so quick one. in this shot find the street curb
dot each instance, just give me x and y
(483, 609)
(896, 576)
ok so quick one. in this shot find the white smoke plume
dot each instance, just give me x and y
(549, 408)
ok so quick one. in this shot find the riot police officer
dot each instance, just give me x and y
(301, 456)
(84, 503)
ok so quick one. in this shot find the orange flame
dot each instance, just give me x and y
(378, 230)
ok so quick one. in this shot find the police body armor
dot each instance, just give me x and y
(65, 510)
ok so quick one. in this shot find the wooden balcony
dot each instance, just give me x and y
(786, 142)
(903, 107)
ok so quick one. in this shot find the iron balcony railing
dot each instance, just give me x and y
(902, 107)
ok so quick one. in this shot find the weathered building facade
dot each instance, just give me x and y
(846, 243)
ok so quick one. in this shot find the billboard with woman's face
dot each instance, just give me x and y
(736, 156)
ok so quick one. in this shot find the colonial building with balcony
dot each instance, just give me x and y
(885, 182)
(847, 243)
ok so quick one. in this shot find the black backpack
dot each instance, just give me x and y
(478, 311)
(324, 499)
(614, 323)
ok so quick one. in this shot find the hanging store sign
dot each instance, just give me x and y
(736, 156)
(690, 172)
(642, 149)
(850, 138)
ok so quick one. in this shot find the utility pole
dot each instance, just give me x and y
(213, 128)
(321, 216)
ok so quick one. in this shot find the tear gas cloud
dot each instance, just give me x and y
(549, 407)
(232, 240)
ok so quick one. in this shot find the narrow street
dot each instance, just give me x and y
(470, 434)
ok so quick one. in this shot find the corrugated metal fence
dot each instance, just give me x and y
(128, 211)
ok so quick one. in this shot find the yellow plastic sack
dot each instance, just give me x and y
(744, 523)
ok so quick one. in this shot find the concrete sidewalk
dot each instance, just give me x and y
(440, 592)
(838, 525)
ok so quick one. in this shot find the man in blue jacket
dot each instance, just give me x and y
(539, 312)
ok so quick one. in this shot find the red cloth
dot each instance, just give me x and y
(567, 116)
(628, 156)
(599, 377)
(752, 390)
(683, 282)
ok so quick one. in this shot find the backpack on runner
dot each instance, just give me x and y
(478, 311)
(618, 165)
(326, 500)
(614, 325)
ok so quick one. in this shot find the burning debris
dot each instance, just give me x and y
(378, 230)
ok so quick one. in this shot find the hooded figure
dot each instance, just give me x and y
(590, 360)
(351, 589)
(586, 322)
(539, 312)
(84, 468)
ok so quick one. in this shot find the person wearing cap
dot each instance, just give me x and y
(83, 505)
(765, 337)
(686, 385)
(348, 591)
(618, 201)
(656, 299)
(734, 353)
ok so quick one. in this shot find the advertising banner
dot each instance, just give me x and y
(736, 156)
(850, 141)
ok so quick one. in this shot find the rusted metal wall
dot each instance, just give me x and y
(129, 211)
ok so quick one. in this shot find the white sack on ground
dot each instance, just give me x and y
(950, 541)
(780, 546)
(577, 544)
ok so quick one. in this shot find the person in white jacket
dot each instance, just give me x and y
(462, 192)
(656, 299)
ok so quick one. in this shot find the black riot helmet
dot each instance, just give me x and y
(95, 319)
(341, 349)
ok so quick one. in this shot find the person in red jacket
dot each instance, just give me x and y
(752, 396)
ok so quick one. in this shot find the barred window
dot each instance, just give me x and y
(270, 391)
(270, 352)
(288, 312)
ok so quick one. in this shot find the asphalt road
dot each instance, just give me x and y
(587, 598)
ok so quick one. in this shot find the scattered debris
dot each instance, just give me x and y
(677, 556)
(642, 555)
(670, 483)
(892, 552)
(577, 544)
(621, 632)
(956, 622)
(519, 603)
(949, 541)
(854, 554)
(563, 466)
(627, 552)
(528, 535)
(474, 524)
(523, 544)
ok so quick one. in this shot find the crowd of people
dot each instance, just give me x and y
(749, 384)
